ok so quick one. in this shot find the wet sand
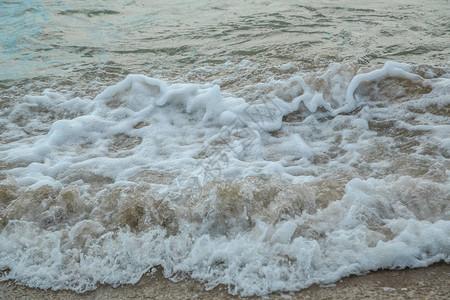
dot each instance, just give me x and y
(425, 283)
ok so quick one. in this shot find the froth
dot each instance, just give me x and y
(366, 230)
(298, 181)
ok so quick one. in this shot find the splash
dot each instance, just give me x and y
(295, 182)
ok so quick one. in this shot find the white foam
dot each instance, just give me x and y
(335, 242)
(182, 161)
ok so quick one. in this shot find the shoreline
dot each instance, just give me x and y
(432, 282)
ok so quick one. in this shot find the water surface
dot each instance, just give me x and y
(266, 146)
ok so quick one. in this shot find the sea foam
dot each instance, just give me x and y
(299, 181)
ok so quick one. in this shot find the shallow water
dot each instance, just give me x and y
(264, 146)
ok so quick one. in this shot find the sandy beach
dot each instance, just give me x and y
(430, 283)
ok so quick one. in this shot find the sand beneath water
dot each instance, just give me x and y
(432, 282)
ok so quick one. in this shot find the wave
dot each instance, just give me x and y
(295, 182)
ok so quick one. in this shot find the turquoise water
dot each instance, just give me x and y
(81, 41)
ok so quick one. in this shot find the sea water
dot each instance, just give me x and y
(265, 146)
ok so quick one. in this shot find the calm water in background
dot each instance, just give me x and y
(266, 146)
(80, 42)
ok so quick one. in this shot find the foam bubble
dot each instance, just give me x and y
(295, 182)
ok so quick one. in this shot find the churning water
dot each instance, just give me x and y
(264, 146)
